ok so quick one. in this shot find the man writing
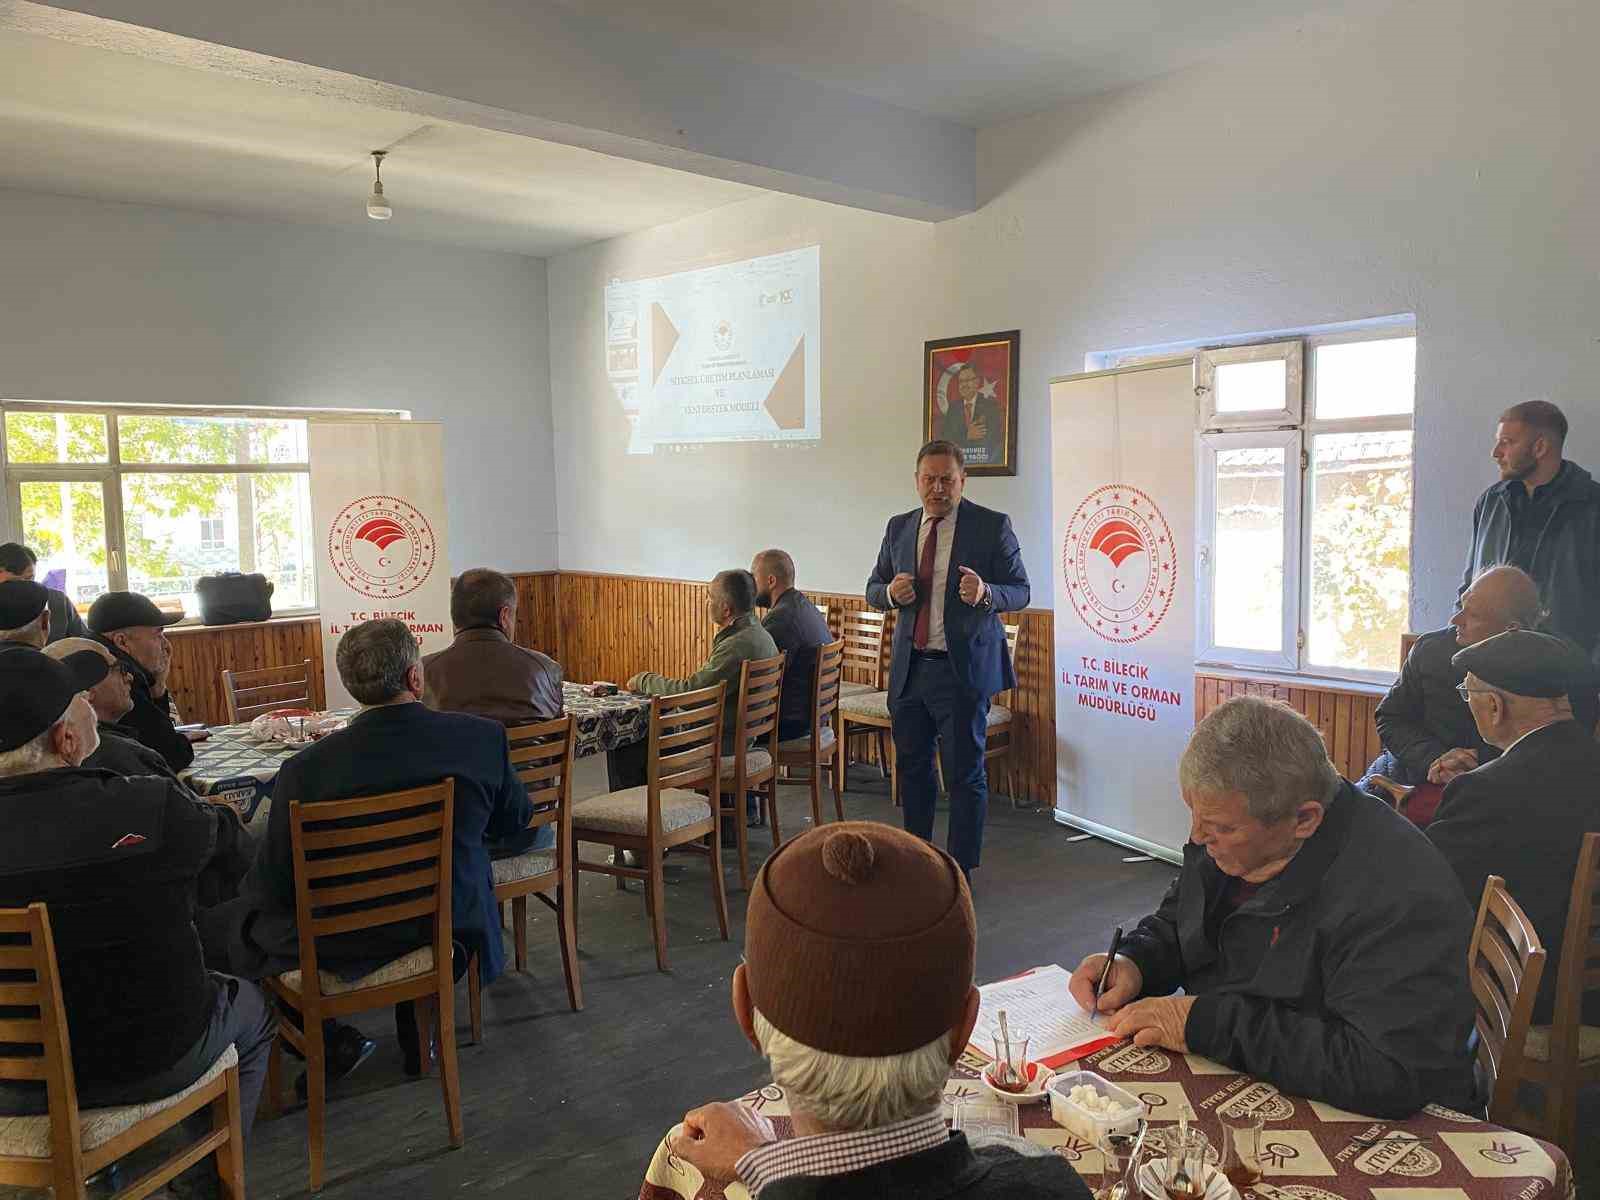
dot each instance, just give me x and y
(1320, 939)
(1543, 516)
(19, 562)
(136, 631)
(483, 671)
(1524, 815)
(950, 567)
(845, 926)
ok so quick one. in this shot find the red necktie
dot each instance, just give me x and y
(930, 551)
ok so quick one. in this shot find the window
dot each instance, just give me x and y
(1305, 503)
(152, 498)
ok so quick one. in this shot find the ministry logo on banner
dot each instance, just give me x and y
(1119, 563)
(382, 546)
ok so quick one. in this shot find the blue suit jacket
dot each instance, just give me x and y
(976, 640)
(383, 750)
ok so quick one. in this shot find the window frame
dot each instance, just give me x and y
(1290, 352)
(109, 474)
(1225, 432)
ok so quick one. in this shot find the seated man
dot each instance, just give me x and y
(798, 629)
(729, 600)
(112, 699)
(24, 615)
(1320, 940)
(135, 629)
(846, 924)
(116, 861)
(483, 671)
(19, 562)
(394, 742)
(1523, 816)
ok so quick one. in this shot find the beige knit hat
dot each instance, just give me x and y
(859, 940)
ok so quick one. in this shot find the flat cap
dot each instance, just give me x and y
(127, 610)
(1526, 663)
(36, 689)
(21, 601)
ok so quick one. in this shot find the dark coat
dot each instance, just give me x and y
(1523, 817)
(64, 619)
(956, 1169)
(976, 639)
(1554, 535)
(150, 719)
(798, 629)
(1344, 979)
(485, 673)
(383, 750)
(116, 861)
(993, 441)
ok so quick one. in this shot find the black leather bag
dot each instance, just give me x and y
(232, 597)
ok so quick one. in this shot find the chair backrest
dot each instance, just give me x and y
(376, 860)
(760, 688)
(826, 610)
(543, 754)
(33, 1025)
(1011, 622)
(685, 744)
(825, 688)
(248, 694)
(1504, 964)
(863, 636)
(1579, 971)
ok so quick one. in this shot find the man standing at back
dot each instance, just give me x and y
(484, 672)
(950, 567)
(1543, 516)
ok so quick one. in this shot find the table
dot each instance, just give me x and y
(1310, 1150)
(232, 767)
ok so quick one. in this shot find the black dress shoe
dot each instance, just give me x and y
(346, 1050)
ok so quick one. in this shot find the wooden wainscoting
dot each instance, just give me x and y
(200, 653)
(1343, 715)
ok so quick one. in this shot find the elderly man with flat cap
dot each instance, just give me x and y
(20, 562)
(24, 614)
(112, 699)
(1523, 816)
(857, 988)
(116, 861)
(136, 631)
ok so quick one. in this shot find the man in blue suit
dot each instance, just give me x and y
(950, 567)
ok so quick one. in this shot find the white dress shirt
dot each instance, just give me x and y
(941, 573)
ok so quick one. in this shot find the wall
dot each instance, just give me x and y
(122, 302)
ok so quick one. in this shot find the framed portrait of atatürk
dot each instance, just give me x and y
(969, 397)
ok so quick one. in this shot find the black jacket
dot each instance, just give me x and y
(116, 862)
(956, 1169)
(984, 542)
(64, 619)
(1344, 979)
(798, 629)
(1523, 817)
(1554, 535)
(383, 750)
(150, 719)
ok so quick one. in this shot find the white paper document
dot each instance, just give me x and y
(1038, 1006)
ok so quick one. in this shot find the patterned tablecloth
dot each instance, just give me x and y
(1310, 1150)
(232, 767)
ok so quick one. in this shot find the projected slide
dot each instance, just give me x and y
(731, 353)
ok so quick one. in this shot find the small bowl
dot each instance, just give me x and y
(1039, 1077)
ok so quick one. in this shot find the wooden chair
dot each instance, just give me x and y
(1565, 1056)
(864, 704)
(752, 767)
(62, 1149)
(821, 749)
(670, 810)
(1504, 964)
(248, 694)
(1001, 719)
(543, 754)
(359, 864)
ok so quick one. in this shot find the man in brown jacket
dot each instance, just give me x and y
(483, 672)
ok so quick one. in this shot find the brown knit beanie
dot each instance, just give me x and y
(859, 940)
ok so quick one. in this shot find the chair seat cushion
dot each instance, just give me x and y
(29, 1137)
(847, 688)
(866, 704)
(1537, 1047)
(800, 745)
(754, 761)
(627, 811)
(999, 714)
(523, 866)
(407, 966)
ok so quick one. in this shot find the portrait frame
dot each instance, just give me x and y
(990, 361)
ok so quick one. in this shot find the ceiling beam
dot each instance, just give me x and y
(542, 70)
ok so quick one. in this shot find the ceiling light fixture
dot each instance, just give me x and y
(377, 207)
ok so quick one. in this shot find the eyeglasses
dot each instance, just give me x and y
(1464, 691)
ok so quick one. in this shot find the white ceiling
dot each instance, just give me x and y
(91, 122)
(972, 61)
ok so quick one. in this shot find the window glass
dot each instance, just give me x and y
(1247, 545)
(1365, 379)
(43, 437)
(1251, 386)
(145, 438)
(64, 523)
